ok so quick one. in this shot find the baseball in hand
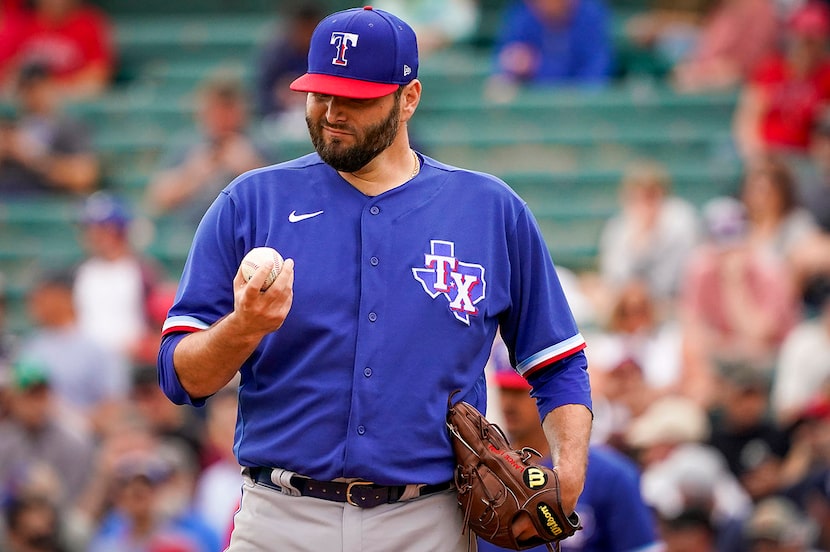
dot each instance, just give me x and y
(257, 257)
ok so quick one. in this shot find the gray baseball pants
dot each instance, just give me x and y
(271, 521)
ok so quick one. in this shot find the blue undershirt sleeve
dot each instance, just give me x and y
(168, 379)
(562, 382)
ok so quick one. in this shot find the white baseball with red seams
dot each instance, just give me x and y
(257, 257)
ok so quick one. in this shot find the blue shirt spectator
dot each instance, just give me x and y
(556, 41)
(284, 58)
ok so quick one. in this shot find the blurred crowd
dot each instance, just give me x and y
(708, 325)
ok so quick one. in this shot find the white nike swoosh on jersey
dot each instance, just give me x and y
(294, 217)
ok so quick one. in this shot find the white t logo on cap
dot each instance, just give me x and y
(342, 41)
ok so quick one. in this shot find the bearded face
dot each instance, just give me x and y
(356, 146)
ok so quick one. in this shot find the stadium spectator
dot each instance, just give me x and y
(216, 496)
(612, 512)
(114, 283)
(650, 238)
(663, 32)
(192, 177)
(7, 348)
(170, 423)
(786, 92)
(437, 23)
(780, 224)
(128, 435)
(85, 377)
(12, 14)
(41, 148)
(39, 446)
(737, 298)
(635, 360)
(560, 42)
(777, 222)
(73, 39)
(743, 430)
(7, 339)
(812, 495)
(690, 530)
(802, 371)
(814, 176)
(811, 259)
(733, 38)
(682, 477)
(151, 513)
(283, 59)
(32, 524)
(778, 525)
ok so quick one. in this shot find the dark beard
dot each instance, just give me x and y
(375, 139)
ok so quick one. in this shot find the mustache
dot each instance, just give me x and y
(336, 126)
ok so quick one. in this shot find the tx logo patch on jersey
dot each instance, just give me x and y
(342, 41)
(461, 283)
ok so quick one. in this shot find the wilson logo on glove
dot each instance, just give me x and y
(535, 478)
(550, 522)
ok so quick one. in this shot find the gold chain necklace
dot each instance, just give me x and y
(417, 168)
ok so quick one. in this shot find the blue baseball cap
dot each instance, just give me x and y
(360, 53)
(103, 208)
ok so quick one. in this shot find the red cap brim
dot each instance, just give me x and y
(507, 379)
(339, 86)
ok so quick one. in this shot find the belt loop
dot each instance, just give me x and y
(247, 476)
(282, 479)
(410, 492)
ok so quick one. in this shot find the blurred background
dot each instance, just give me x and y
(676, 155)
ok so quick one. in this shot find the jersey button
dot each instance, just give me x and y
(374, 261)
(367, 372)
(374, 209)
(361, 430)
(373, 316)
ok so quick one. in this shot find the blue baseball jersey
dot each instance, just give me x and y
(397, 299)
(611, 509)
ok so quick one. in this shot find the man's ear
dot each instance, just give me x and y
(410, 98)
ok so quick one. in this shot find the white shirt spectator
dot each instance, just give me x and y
(109, 296)
(803, 367)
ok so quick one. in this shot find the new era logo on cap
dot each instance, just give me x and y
(360, 53)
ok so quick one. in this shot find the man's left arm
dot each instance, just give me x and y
(568, 430)
(563, 396)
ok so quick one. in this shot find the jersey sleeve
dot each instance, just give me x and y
(201, 301)
(205, 292)
(539, 328)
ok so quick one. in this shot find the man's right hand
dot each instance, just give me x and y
(262, 312)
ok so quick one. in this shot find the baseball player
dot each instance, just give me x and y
(399, 270)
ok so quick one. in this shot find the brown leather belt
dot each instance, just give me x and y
(363, 494)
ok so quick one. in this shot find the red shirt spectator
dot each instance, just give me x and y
(72, 39)
(785, 93)
(793, 101)
(12, 25)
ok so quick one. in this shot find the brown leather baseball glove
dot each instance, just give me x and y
(496, 484)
